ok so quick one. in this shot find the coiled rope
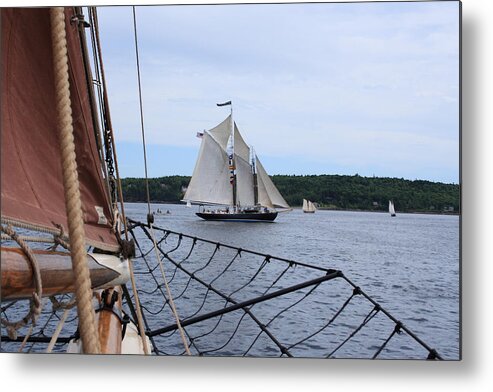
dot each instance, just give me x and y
(36, 302)
(83, 291)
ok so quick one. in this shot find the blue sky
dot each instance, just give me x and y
(368, 88)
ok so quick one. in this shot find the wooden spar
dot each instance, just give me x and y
(109, 322)
(110, 327)
(56, 273)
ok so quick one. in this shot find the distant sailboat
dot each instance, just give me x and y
(189, 204)
(391, 208)
(229, 178)
(308, 206)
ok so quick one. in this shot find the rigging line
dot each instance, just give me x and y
(46, 240)
(111, 149)
(94, 15)
(246, 304)
(386, 313)
(141, 109)
(292, 262)
(170, 297)
(103, 132)
(90, 82)
(161, 267)
(396, 330)
(252, 316)
(137, 317)
(107, 121)
(59, 327)
(26, 338)
(73, 204)
(367, 319)
(36, 302)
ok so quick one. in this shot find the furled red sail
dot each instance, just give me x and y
(31, 181)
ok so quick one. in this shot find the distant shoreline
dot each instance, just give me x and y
(326, 209)
(386, 212)
(332, 192)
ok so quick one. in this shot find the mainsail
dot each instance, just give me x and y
(31, 183)
(210, 179)
(210, 183)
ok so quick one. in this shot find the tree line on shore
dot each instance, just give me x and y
(327, 191)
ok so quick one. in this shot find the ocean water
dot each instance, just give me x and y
(409, 264)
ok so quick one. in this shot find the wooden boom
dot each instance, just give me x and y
(17, 281)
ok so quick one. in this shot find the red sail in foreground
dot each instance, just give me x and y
(31, 179)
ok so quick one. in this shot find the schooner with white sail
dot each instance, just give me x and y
(391, 208)
(308, 206)
(229, 181)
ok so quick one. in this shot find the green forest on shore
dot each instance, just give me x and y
(338, 192)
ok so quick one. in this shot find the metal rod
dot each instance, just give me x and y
(247, 303)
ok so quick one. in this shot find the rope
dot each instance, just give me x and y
(140, 320)
(397, 329)
(26, 338)
(62, 305)
(83, 291)
(29, 226)
(57, 239)
(367, 319)
(59, 327)
(209, 286)
(111, 148)
(147, 184)
(36, 303)
(26, 238)
(171, 302)
(141, 111)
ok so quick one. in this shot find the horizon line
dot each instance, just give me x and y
(317, 175)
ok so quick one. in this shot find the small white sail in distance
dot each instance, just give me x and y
(391, 208)
(308, 206)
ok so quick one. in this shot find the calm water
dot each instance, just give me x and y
(409, 264)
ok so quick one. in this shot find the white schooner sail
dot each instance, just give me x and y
(228, 173)
(308, 206)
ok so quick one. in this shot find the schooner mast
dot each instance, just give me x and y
(231, 154)
(253, 163)
(229, 173)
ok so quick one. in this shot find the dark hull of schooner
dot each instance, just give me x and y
(239, 217)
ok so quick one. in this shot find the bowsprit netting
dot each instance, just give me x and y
(230, 302)
(237, 302)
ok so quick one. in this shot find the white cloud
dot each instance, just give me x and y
(330, 81)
